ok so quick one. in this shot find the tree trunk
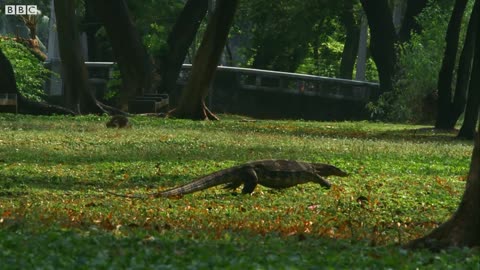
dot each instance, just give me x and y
(133, 61)
(461, 230)
(91, 26)
(414, 7)
(350, 49)
(7, 77)
(179, 40)
(192, 101)
(362, 50)
(382, 40)
(229, 54)
(465, 66)
(9, 85)
(445, 76)
(73, 67)
(31, 24)
(473, 102)
(266, 52)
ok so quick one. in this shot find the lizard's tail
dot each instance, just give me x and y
(204, 182)
(128, 196)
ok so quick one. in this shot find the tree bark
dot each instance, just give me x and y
(78, 94)
(445, 76)
(467, 131)
(465, 67)
(192, 101)
(179, 40)
(9, 85)
(414, 7)
(461, 230)
(73, 67)
(133, 61)
(350, 49)
(7, 77)
(91, 26)
(382, 40)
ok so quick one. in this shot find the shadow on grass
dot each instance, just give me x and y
(407, 134)
(15, 186)
(155, 153)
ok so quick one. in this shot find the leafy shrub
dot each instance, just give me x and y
(30, 73)
(156, 39)
(114, 83)
(419, 63)
(329, 64)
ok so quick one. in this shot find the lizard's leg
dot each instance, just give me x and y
(250, 180)
(322, 181)
(233, 185)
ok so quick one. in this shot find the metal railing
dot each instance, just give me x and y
(294, 83)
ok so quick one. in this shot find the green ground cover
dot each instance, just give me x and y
(55, 213)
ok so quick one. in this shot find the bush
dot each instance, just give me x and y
(30, 74)
(419, 63)
(114, 84)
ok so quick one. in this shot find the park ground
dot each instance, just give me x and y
(55, 213)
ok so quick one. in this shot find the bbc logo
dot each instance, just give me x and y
(21, 10)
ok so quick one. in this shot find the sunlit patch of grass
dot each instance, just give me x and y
(54, 172)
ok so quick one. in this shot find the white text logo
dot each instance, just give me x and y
(21, 10)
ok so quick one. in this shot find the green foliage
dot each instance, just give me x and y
(295, 36)
(419, 63)
(156, 40)
(54, 172)
(114, 83)
(280, 33)
(30, 73)
(154, 20)
(329, 54)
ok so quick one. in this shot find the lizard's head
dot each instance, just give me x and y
(327, 170)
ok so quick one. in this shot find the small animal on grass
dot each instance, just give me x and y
(118, 121)
(272, 173)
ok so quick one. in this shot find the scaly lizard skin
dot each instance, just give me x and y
(272, 173)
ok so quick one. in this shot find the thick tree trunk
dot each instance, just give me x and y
(133, 61)
(192, 102)
(74, 72)
(73, 67)
(229, 54)
(382, 40)
(7, 77)
(462, 229)
(266, 52)
(414, 7)
(9, 85)
(350, 49)
(473, 102)
(91, 26)
(179, 40)
(445, 76)
(465, 66)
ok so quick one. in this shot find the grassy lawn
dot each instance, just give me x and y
(55, 213)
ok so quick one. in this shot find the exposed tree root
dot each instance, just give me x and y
(462, 229)
(202, 113)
